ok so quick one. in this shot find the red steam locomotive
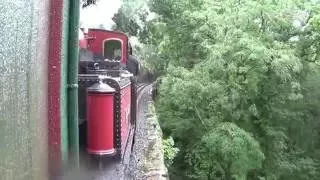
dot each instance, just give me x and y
(107, 91)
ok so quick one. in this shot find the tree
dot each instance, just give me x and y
(131, 17)
(234, 61)
(86, 3)
(226, 152)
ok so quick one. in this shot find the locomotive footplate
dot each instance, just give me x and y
(118, 83)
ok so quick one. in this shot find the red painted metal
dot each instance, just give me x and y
(100, 109)
(54, 86)
(98, 37)
(125, 115)
(83, 43)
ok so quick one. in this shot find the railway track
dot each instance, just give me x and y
(140, 90)
(126, 157)
(140, 87)
(125, 163)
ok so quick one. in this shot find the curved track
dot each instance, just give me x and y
(147, 161)
(140, 87)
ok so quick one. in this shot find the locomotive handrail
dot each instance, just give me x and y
(102, 77)
(126, 74)
(111, 60)
(87, 77)
(90, 38)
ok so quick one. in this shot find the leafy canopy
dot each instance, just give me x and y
(242, 66)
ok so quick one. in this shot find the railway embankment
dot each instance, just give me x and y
(147, 157)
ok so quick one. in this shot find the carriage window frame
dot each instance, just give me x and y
(113, 39)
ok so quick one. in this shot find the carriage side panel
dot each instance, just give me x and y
(125, 115)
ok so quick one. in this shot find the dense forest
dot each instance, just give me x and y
(240, 84)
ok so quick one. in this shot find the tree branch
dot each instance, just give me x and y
(201, 120)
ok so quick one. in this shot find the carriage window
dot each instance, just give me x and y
(112, 49)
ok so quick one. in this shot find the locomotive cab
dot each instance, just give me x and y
(108, 48)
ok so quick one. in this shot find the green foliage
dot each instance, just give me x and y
(170, 151)
(125, 24)
(240, 92)
(131, 17)
(225, 152)
(235, 61)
